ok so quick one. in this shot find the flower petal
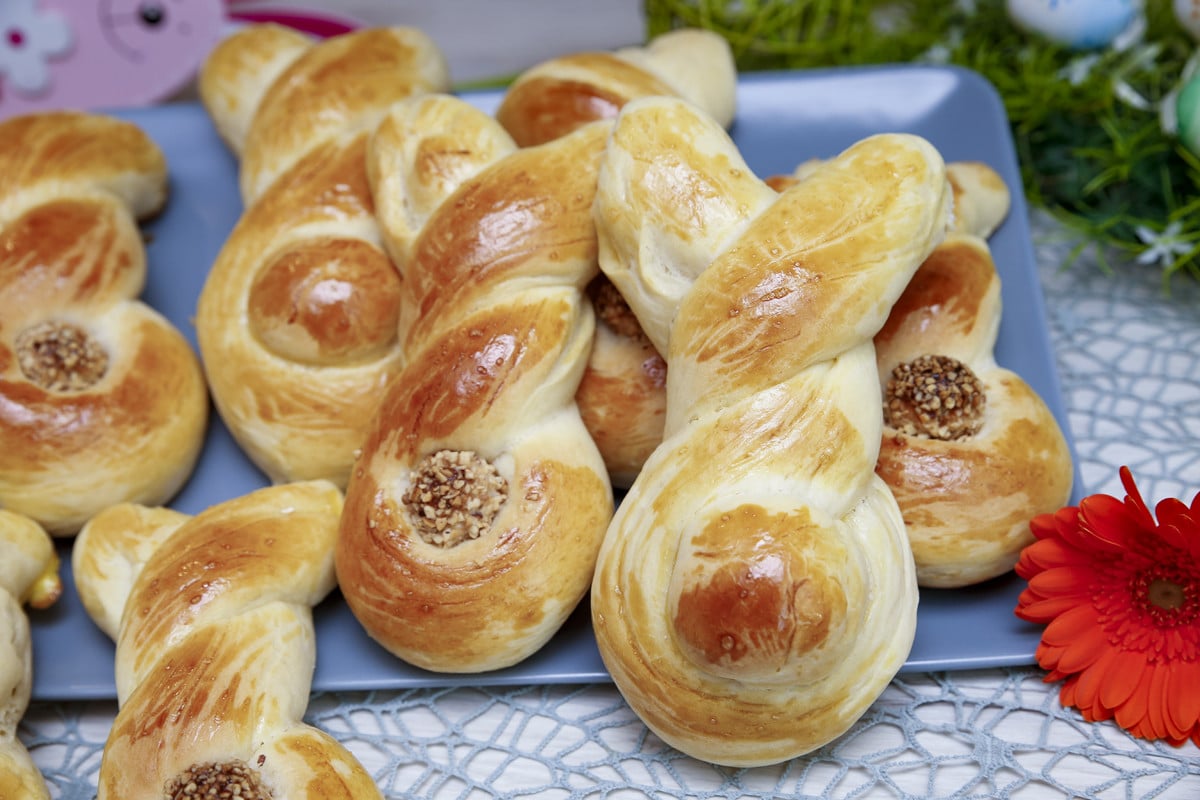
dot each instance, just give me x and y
(1107, 523)
(1046, 554)
(1087, 688)
(1072, 626)
(1045, 609)
(1069, 581)
(1082, 653)
(1156, 712)
(1183, 692)
(1126, 671)
(1133, 499)
(1133, 710)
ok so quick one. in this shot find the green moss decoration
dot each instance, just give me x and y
(1087, 125)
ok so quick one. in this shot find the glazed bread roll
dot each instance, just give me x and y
(475, 511)
(212, 618)
(971, 452)
(559, 95)
(28, 575)
(755, 592)
(976, 455)
(101, 398)
(297, 319)
(622, 396)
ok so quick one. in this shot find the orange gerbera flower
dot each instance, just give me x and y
(1119, 594)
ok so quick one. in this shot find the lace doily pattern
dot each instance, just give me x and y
(1128, 355)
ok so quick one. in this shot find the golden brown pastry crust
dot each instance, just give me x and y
(967, 502)
(559, 95)
(212, 617)
(28, 575)
(297, 319)
(101, 398)
(496, 334)
(622, 396)
(755, 592)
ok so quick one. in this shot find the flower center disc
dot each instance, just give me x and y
(1165, 594)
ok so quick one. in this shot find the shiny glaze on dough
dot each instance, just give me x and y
(756, 592)
(496, 332)
(967, 503)
(71, 253)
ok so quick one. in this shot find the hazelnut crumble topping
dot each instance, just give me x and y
(232, 779)
(60, 357)
(937, 397)
(613, 310)
(455, 495)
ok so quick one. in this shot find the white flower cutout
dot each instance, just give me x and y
(28, 38)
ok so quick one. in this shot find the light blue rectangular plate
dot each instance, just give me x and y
(783, 119)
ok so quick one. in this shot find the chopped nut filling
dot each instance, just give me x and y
(455, 496)
(60, 357)
(937, 397)
(613, 310)
(231, 779)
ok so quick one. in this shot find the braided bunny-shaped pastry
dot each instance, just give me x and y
(970, 451)
(622, 396)
(28, 574)
(476, 508)
(297, 318)
(101, 398)
(755, 591)
(212, 618)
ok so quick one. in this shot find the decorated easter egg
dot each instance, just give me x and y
(1187, 106)
(1078, 24)
(1188, 13)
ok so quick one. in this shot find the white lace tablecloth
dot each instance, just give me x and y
(1129, 362)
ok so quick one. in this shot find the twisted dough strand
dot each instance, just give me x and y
(967, 481)
(622, 396)
(496, 245)
(755, 592)
(298, 315)
(212, 617)
(28, 574)
(101, 398)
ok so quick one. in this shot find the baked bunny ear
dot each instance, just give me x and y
(298, 315)
(28, 575)
(660, 221)
(976, 458)
(755, 591)
(422, 151)
(981, 197)
(340, 86)
(476, 507)
(101, 399)
(237, 72)
(559, 95)
(215, 646)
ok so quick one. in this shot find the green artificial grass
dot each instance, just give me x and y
(1087, 125)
